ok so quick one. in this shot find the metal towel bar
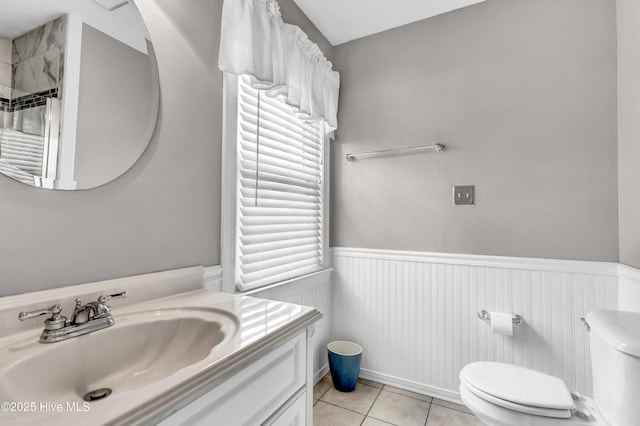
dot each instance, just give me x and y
(438, 147)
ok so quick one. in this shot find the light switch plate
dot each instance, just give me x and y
(464, 195)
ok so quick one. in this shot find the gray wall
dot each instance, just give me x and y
(629, 130)
(164, 213)
(523, 93)
(114, 108)
(292, 14)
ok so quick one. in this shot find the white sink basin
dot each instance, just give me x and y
(139, 349)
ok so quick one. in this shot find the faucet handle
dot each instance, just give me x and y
(105, 297)
(53, 310)
(56, 321)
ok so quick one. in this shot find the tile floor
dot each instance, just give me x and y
(375, 404)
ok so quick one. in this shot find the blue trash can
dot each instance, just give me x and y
(344, 363)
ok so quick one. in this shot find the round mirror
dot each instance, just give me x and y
(79, 91)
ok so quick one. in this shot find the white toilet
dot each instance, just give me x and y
(506, 395)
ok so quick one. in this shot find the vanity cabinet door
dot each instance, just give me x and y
(253, 394)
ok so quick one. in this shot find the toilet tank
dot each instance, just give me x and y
(615, 364)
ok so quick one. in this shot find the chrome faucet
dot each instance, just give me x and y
(85, 319)
(93, 310)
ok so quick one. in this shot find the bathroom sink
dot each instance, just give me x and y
(140, 349)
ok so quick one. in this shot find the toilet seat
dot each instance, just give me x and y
(495, 415)
(519, 389)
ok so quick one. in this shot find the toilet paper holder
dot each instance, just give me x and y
(486, 316)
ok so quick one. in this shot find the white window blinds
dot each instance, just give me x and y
(279, 202)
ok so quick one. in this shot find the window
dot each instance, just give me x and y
(279, 191)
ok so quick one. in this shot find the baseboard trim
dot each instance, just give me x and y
(412, 386)
(320, 374)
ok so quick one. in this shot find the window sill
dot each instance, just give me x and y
(297, 284)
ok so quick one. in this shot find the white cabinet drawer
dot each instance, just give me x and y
(294, 415)
(253, 394)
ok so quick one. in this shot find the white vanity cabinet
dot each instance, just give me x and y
(275, 389)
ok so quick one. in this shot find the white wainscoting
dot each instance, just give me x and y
(415, 314)
(628, 288)
(312, 290)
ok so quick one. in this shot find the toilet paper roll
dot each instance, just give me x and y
(502, 323)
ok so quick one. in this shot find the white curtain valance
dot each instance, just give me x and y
(279, 58)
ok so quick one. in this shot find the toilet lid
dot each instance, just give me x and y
(536, 411)
(517, 385)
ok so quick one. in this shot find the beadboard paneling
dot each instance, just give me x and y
(628, 288)
(415, 314)
(313, 290)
